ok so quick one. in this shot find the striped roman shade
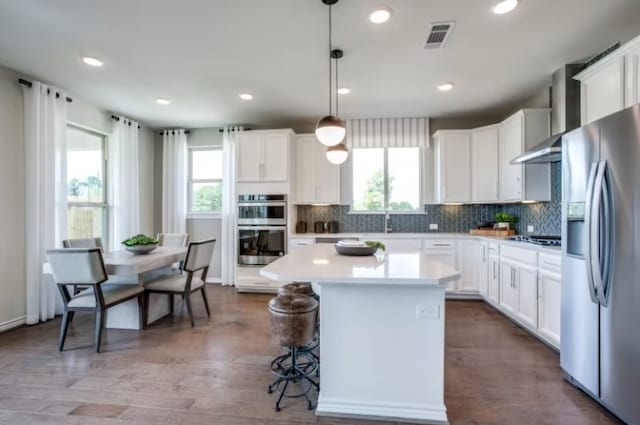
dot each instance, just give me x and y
(388, 133)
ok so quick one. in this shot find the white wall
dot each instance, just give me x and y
(12, 209)
(198, 228)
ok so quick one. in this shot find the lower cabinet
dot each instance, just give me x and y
(527, 287)
(508, 290)
(549, 305)
(471, 264)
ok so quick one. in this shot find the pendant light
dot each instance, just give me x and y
(330, 129)
(337, 154)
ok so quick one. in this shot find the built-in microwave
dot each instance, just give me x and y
(261, 210)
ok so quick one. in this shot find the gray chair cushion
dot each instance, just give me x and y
(173, 283)
(110, 291)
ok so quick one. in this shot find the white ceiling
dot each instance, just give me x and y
(202, 53)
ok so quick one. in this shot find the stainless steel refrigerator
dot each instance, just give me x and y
(600, 329)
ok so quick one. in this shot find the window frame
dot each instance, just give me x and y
(104, 205)
(385, 173)
(191, 181)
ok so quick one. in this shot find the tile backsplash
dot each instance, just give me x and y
(545, 217)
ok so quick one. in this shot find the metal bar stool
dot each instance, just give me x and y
(293, 324)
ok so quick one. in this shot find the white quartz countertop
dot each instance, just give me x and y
(321, 263)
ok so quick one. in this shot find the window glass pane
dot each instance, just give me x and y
(404, 179)
(86, 222)
(206, 197)
(85, 166)
(206, 164)
(368, 179)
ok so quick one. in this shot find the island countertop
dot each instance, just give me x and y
(321, 263)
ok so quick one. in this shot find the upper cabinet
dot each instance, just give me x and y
(521, 131)
(452, 166)
(317, 180)
(264, 156)
(611, 84)
(484, 164)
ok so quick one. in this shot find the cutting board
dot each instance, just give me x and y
(492, 232)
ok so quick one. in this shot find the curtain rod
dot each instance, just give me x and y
(221, 130)
(114, 117)
(30, 84)
(174, 132)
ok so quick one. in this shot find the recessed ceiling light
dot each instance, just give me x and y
(163, 101)
(91, 61)
(344, 90)
(505, 6)
(245, 96)
(380, 15)
(446, 86)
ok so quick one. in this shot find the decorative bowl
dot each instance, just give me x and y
(141, 249)
(356, 251)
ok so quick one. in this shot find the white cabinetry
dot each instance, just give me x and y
(484, 164)
(452, 166)
(519, 132)
(549, 292)
(483, 272)
(611, 84)
(527, 287)
(317, 180)
(493, 295)
(508, 289)
(264, 156)
(443, 250)
(519, 284)
(471, 265)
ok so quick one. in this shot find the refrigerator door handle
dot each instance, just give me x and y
(588, 221)
(597, 238)
(608, 232)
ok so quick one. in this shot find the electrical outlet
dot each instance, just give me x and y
(530, 229)
(428, 312)
(433, 226)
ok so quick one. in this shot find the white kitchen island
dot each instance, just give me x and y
(382, 331)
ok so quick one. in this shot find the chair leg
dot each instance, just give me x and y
(142, 309)
(187, 299)
(206, 302)
(64, 327)
(101, 316)
(171, 303)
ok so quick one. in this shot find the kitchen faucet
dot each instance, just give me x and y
(387, 218)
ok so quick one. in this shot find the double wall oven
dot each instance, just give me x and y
(262, 229)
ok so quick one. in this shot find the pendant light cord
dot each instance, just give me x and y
(337, 110)
(330, 73)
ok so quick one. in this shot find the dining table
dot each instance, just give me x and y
(126, 268)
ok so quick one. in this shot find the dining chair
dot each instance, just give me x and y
(85, 266)
(83, 243)
(198, 258)
(177, 240)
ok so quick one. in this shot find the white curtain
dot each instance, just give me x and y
(45, 117)
(229, 206)
(174, 181)
(124, 181)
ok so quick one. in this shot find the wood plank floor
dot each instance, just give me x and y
(217, 373)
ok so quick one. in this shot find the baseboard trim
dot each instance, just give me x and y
(414, 413)
(214, 280)
(13, 323)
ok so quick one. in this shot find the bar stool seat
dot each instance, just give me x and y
(293, 325)
(296, 288)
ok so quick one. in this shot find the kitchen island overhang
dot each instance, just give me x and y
(382, 331)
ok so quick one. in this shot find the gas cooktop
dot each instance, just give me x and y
(537, 240)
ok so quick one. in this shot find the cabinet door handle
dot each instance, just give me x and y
(513, 280)
(494, 269)
(441, 244)
(484, 254)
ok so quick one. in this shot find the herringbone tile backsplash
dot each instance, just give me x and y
(545, 217)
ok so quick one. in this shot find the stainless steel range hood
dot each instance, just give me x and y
(565, 116)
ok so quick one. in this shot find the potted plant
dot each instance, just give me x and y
(504, 220)
(140, 244)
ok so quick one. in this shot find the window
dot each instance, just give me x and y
(205, 180)
(386, 179)
(86, 184)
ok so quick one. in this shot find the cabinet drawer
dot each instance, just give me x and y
(549, 262)
(299, 242)
(439, 244)
(522, 255)
(494, 248)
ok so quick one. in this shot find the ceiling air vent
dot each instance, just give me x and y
(438, 34)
